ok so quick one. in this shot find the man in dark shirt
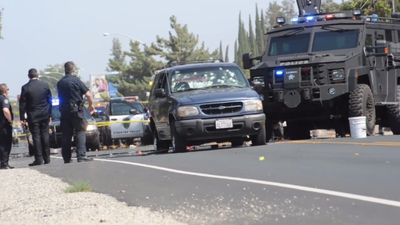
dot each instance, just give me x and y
(70, 92)
(35, 101)
(6, 121)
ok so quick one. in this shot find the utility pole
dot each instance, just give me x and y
(393, 7)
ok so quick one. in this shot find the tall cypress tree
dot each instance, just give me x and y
(235, 50)
(259, 33)
(221, 52)
(252, 39)
(227, 54)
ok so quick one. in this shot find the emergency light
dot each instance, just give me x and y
(280, 20)
(279, 72)
(55, 101)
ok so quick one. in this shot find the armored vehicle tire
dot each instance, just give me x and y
(362, 103)
(159, 145)
(177, 142)
(393, 113)
(260, 138)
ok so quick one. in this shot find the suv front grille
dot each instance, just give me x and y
(223, 108)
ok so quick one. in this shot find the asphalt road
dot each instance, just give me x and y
(340, 181)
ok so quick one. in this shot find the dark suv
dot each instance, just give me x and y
(193, 104)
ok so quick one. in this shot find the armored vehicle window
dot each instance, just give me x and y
(333, 40)
(291, 44)
(368, 41)
(388, 34)
(207, 77)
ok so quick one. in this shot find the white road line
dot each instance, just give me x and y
(269, 183)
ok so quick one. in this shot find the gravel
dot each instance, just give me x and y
(30, 197)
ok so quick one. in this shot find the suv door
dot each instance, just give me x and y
(160, 107)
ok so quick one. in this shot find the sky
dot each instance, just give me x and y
(43, 32)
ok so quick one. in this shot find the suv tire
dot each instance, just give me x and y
(393, 113)
(260, 138)
(362, 103)
(177, 142)
(159, 145)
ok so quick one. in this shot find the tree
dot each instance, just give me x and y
(380, 7)
(274, 10)
(330, 6)
(181, 46)
(52, 74)
(134, 78)
(117, 63)
(227, 54)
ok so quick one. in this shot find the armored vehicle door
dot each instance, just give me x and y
(379, 73)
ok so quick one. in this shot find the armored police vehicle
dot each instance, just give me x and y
(192, 103)
(323, 68)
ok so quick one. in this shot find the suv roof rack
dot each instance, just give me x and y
(175, 63)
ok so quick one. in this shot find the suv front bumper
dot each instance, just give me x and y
(205, 129)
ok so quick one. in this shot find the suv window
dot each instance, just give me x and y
(207, 77)
(123, 108)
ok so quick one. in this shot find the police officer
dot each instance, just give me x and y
(70, 92)
(6, 121)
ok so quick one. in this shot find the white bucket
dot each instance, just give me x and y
(358, 127)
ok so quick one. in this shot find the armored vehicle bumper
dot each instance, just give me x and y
(208, 129)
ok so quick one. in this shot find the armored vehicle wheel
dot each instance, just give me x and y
(393, 113)
(260, 138)
(159, 145)
(177, 142)
(362, 103)
(298, 130)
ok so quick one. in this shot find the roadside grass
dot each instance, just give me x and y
(81, 186)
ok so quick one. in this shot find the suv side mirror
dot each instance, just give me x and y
(160, 92)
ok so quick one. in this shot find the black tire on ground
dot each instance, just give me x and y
(177, 142)
(260, 138)
(298, 130)
(95, 145)
(237, 143)
(362, 103)
(393, 113)
(159, 145)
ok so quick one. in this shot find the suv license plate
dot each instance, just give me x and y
(223, 124)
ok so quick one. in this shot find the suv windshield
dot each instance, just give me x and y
(290, 44)
(56, 114)
(207, 77)
(336, 40)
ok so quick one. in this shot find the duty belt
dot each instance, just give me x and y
(72, 105)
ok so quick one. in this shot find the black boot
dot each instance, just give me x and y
(6, 166)
(85, 159)
(36, 163)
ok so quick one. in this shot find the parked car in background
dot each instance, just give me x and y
(92, 132)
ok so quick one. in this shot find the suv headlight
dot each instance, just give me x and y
(253, 105)
(91, 127)
(185, 111)
(338, 74)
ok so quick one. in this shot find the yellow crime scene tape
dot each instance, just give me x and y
(99, 124)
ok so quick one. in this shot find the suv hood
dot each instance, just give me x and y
(215, 95)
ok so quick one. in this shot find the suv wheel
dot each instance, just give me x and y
(393, 112)
(159, 145)
(362, 103)
(177, 142)
(260, 138)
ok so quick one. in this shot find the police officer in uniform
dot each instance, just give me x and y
(6, 121)
(70, 92)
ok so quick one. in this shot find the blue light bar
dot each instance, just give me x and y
(309, 17)
(294, 19)
(374, 18)
(55, 101)
(279, 72)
